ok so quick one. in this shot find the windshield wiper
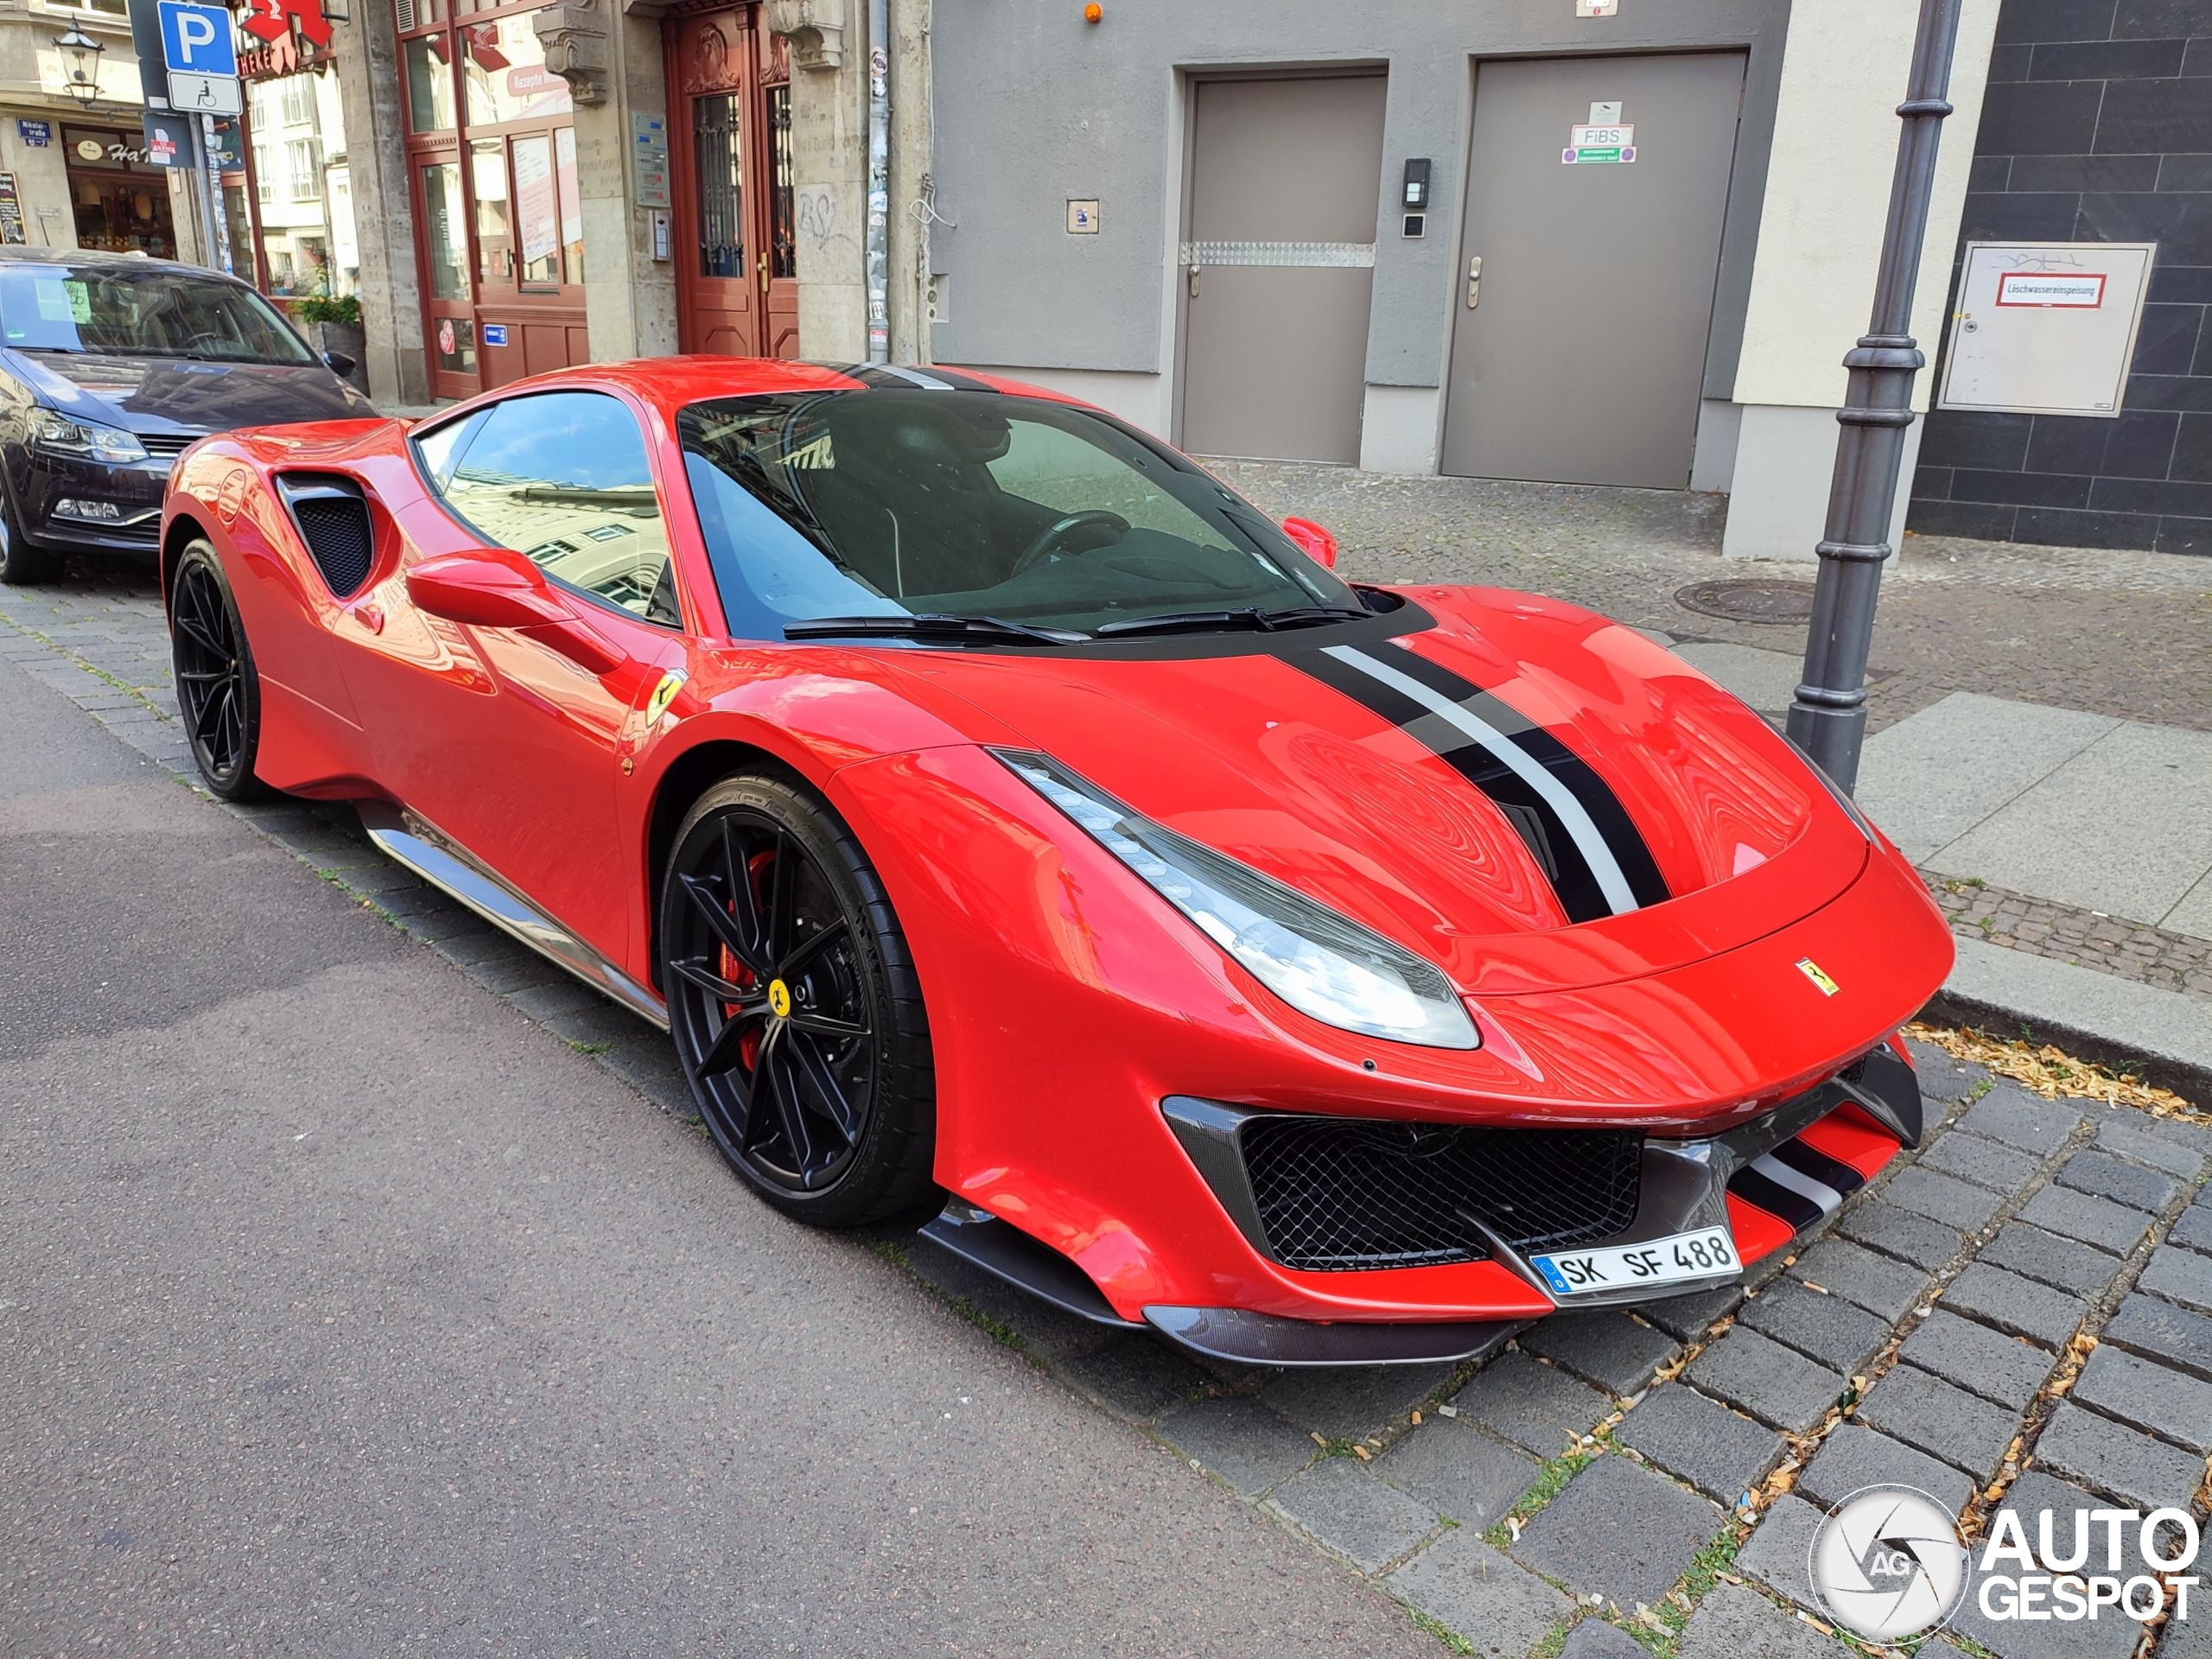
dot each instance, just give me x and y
(931, 625)
(1297, 616)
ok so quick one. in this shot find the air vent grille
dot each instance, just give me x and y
(1340, 1194)
(333, 521)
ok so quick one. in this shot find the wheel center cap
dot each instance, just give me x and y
(779, 999)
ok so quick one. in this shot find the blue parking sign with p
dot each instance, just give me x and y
(197, 40)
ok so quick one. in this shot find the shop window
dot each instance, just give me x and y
(430, 85)
(443, 242)
(537, 211)
(506, 75)
(495, 222)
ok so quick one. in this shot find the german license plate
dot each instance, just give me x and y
(1656, 1262)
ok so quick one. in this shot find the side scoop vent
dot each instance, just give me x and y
(332, 516)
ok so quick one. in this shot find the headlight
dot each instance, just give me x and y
(1321, 964)
(86, 438)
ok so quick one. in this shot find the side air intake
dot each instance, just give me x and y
(332, 517)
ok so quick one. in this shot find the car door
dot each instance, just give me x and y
(498, 736)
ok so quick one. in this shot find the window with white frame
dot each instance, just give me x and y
(303, 159)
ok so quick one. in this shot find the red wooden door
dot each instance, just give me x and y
(721, 270)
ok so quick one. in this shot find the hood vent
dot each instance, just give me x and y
(332, 517)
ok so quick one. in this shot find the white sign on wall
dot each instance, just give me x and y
(2046, 328)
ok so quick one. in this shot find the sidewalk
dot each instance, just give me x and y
(2041, 721)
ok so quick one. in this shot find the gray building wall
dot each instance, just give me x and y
(1033, 107)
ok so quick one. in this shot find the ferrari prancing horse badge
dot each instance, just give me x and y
(1812, 971)
(663, 694)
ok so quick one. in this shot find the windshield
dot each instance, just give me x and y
(888, 503)
(141, 313)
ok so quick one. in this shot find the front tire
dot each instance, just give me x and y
(217, 691)
(794, 1007)
(22, 565)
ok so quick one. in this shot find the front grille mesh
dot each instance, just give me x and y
(336, 530)
(1337, 1194)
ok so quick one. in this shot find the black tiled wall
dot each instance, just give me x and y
(2097, 126)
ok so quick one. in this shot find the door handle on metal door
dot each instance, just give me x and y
(1474, 280)
(1194, 279)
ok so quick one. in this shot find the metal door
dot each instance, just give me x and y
(1579, 353)
(1279, 266)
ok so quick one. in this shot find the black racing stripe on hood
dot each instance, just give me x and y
(1629, 850)
(1532, 816)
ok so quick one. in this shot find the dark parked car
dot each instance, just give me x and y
(111, 365)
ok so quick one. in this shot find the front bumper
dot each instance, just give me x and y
(1768, 1181)
(133, 490)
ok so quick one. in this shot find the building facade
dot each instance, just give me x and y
(1499, 241)
(2095, 137)
(79, 169)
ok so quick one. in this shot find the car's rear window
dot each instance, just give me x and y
(150, 312)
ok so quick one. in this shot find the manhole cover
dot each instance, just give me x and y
(1750, 601)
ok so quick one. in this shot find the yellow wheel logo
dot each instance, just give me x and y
(1812, 970)
(779, 999)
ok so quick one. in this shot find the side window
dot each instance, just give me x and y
(561, 478)
(441, 449)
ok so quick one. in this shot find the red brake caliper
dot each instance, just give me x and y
(748, 1045)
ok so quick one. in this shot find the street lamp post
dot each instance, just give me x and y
(80, 65)
(1828, 719)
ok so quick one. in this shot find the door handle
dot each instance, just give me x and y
(1474, 280)
(1194, 278)
(764, 270)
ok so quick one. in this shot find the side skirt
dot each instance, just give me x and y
(451, 868)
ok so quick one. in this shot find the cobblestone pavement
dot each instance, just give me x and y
(2126, 634)
(2019, 1307)
(2150, 955)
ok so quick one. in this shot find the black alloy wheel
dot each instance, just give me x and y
(217, 690)
(794, 1007)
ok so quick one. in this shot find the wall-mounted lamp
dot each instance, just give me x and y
(80, 65)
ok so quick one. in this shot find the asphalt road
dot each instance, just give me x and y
(344, 1310)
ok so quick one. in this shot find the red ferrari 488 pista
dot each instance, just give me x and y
(1011, 826)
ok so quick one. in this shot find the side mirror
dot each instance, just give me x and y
(1313, 541)
(496, 588)
(340, 365)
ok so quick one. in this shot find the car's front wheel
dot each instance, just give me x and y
(795, 1006)
(218, 691)
(21, 564)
